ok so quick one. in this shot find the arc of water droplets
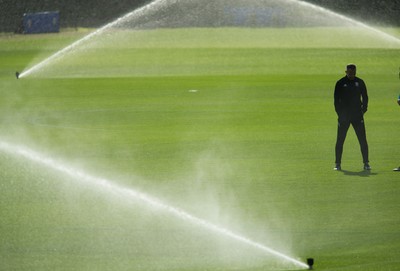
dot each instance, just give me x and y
(348, 19)
(157, 3)
(136, 195)
(90, 36)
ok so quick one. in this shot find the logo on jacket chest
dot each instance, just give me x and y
(356, 84)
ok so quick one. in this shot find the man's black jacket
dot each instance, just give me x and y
(351, 99)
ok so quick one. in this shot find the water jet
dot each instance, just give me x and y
(155, 15)
(132, 194)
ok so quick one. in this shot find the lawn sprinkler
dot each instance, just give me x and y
(17, 75)
(310, 262)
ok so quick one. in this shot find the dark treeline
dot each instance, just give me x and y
(94, 13)
(73, 13)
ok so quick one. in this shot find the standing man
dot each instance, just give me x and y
(351, 103)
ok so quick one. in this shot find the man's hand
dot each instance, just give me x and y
(364, 109)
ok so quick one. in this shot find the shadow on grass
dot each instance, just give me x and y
(362, 173)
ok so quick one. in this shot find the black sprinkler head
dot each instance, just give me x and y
(310, 262)
(17, 75)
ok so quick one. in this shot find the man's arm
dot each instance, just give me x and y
(337, 101)
(364, 95)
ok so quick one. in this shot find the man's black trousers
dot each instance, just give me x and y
(359, 128)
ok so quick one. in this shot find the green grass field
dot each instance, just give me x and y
(235, 126)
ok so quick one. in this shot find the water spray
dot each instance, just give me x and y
(350, 20)
(150, 201)
(159, 4)
(89, 37)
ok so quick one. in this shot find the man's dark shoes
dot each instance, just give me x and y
(337, 167)
(367, 166)
(396, 169)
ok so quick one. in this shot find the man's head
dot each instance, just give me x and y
(351, 71)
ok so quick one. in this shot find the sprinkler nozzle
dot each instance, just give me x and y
(310, 262)
(17, 75)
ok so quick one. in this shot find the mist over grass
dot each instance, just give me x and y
(251, 150)
(93, 221)
(338, 31)
(207, 51)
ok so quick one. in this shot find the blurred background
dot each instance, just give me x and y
(95, 13)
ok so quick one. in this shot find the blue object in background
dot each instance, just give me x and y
(41, 22)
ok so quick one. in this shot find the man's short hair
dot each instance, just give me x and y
(351, 66)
